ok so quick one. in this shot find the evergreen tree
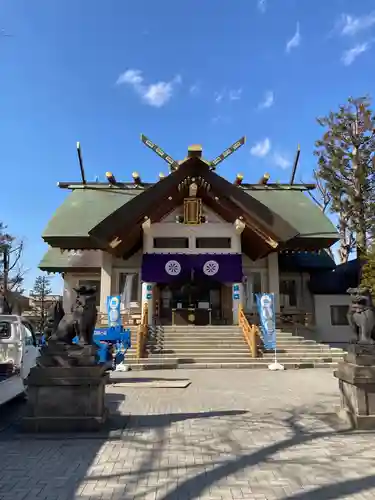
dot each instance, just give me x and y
(346, 166)
(42, 288)
(368, 272)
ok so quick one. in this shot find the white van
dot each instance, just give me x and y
(18, 354)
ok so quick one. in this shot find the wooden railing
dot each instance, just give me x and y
(142, 331)
(285, 318)
(250, 332)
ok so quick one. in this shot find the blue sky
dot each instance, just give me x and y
(103, 72)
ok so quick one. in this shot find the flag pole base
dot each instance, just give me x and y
(275, 366)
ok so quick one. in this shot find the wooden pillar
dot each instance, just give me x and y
(105, 280)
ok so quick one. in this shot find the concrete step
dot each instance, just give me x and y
(227, 345)
(258, 364)
(218, 338)
(193, 343)
(153, 360)
(179, 328)
(243, 349)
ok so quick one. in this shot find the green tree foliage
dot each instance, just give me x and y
(346, 165)
(368, 272)
(11, 272)
(42, 288)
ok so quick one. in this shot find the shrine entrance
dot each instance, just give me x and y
(193, 302)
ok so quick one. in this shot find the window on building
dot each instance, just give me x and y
(92, 283)
(171, 243)
(288, 293)
(213, 242)
(339, 315)
(129, 288)
(257, 282)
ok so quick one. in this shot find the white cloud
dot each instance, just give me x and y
(221, 119)
(281, 161)
(231, 95)
(295, 40)
(261, 148)
(235, 95)
(194, 89)
(154, 94)
(349, 25)
(262, 6)
(349, 56)
(219, 96)
(268, 100)
(131, 77)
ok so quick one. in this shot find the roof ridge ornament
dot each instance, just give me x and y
(194, 151)
(224, 155)
(173, 164)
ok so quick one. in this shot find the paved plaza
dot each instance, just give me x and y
(230, 435)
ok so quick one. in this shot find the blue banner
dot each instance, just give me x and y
(113, 310)
(266, 309)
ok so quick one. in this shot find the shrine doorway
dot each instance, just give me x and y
(196, 302)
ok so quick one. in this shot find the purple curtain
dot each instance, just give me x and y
(166, 268)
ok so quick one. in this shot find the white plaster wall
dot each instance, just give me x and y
(325, 331)
(133, 264)
(215, 227)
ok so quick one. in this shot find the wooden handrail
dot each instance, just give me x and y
(250, 332)
(142, 332)
(300, 318)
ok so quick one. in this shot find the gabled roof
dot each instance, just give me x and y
(93, 215)
(266, 228)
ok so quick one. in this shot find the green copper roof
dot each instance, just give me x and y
(56, 261)
(297, 208)
(53, 260)
(83, 209)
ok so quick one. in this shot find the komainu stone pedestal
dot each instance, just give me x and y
(356, 376)
(65, 399)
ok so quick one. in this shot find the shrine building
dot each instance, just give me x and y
(193, 246)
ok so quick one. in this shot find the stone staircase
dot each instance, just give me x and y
(224, 347)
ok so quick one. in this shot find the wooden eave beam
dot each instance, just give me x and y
(258, 248)
(123, 240)
(260, 213)
(145, 203)
(230, 207)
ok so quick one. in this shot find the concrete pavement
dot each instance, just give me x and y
(231, 434)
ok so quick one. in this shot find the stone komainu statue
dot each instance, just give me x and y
(79, 322)
(361, 315)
